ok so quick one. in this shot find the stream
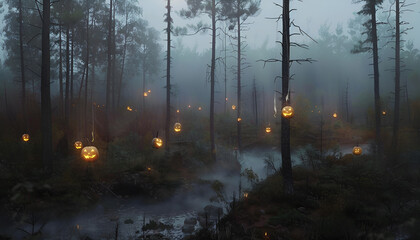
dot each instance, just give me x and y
(100, 221)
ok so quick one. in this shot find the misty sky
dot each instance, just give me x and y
(311, 15)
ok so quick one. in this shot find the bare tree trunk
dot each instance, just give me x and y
(72, 65)
(378, 149)
(109, 72)
(60, 73)
(22, 66)
(168, 77)
(144, 86)
(67, 102)
(87, 70)
(123, 59)
(225, 68)
(397, 78)
(212, 79)
(347, 102)
(285, 123)
(46, 123)
(113, 72)
(239, 123)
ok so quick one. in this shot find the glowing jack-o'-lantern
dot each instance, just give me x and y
(177, 111)
(145, 94)
(239, 119)
(78, 145)
(149, 91)
(149, 169)
(384, 113)
(335, 115)
(268, 129)
(157, 143)
(177, 127)
(357, 150)
(25, 137)
(233, 107)
(199, 109)
(90, 153)
(287, 112)
(129, 109)
(245, 195)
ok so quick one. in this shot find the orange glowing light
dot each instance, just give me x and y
(177, 111)
(129, 109)
(239, 119)
(288, 112)
(149, 91)
(78, 145)
(145, 94)
(383, 113)
(335, 115)
(233, 107)
(25, 137)
(268, 129)
(90, 153)
(199, 108)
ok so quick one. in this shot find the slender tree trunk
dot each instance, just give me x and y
(397, 77)
(60, 73)
(255, 103)
(113, 72)
(347, 103)
(212, 79)
(378, 149)
(239, 123)
(67, 102)
(225, 66)
(285, 123)
(22, 66)
(168, 76)
(72, 65)
(108, 73)
(123, 59)
(46, 123)
(87, 71)
(144, 86)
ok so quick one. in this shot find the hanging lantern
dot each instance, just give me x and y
(149, 169)
(268, 129)
(78, 145)
(90, 153)
(189, 106)
(199, 109)
(287, 112)
(357, 150)
(157, 143)
(149, 91)
(239, 119)
(177, 111)
(335, 115)
(384, 113)
(226, 99)
(145, 94)
(25, 137)
(129, 109)
(233, 107)
(177, 127)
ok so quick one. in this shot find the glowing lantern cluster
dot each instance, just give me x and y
(25, 137)
(78, 145)
(357, 150)
(177, 127)
(268, 129)
(157, 143)
(90, 153)
(288, 112)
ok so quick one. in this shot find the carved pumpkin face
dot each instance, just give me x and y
(288, 112)
(335, 115)
(157, 143)
(233, 107)
(90, 153)
(357, 150)
(268, 129)
(25, 137)
(177, 127)
(78, 145)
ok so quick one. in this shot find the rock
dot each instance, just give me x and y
(190, 221)
(187, 228)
